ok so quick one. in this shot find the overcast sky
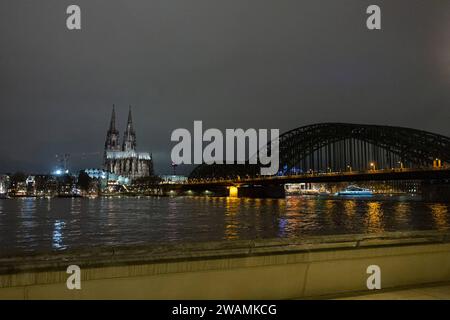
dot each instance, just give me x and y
(231, 63)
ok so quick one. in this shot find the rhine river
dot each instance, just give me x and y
(43, 225)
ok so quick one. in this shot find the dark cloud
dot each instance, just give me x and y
(233, 63)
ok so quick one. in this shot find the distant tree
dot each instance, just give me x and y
(42, 182)
(18, 177)
(66, 180)
(84, 181)
(147, 181)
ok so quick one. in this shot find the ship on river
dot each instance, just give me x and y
(353, 190)
(304, 189)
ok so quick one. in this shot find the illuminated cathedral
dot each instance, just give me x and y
(123, 159)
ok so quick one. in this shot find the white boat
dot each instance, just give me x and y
(354, 191)
(302, 189)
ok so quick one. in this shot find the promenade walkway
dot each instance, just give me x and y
(438, 292)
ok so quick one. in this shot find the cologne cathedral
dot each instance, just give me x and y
(123, 160)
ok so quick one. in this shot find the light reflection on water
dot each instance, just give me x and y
(440, 215)
(374, 217)
(57, 240)
(28, 225)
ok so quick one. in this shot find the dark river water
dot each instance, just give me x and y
(30, 225)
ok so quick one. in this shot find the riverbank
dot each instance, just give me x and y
(422, 292)
(310, 267)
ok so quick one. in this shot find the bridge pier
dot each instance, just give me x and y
(261, 191)
(239, 191)
(213, 191)
(436, 190)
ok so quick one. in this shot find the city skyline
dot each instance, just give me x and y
(220, 63)
(198, 153)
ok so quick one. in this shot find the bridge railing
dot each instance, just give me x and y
(309, 175)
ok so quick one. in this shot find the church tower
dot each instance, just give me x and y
(112, 137)
(129, 138)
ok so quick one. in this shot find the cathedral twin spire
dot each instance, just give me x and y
(112, 125)
(129, 138)
(112, 138)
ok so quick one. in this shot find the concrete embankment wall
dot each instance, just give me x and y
(262, 269)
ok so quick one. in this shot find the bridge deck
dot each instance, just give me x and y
(372, 175)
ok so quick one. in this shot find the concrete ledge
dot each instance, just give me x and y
(260, 269)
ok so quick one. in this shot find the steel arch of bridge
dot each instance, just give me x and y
(339, 147)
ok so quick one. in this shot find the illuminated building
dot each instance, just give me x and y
(123, 160)
(171, 179)
(31, 185)
(4, 184)
(108, 177)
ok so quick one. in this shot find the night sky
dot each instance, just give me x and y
(231, 63)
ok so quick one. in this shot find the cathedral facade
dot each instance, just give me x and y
(123, 159)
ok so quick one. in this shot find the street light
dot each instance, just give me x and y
(372, 166)
(437, 163)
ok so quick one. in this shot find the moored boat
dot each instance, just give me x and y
(354, 191)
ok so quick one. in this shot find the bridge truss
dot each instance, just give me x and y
(343, 147)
